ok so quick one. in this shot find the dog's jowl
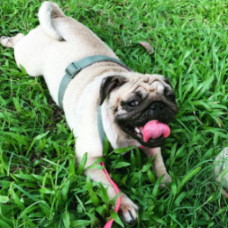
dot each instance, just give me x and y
(98, 93)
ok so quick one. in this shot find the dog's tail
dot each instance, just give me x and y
(47, 12)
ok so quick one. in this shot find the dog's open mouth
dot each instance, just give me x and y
(152, 134)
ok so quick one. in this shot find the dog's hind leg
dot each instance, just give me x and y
(25, 52)
(10, 42)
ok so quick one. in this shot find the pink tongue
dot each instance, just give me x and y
(154, 129)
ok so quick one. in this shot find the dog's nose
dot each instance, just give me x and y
(157, 106)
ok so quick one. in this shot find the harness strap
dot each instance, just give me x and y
(100, 126)
(76, 67)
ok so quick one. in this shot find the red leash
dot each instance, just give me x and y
(117, 190)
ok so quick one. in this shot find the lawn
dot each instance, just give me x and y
(41, 185)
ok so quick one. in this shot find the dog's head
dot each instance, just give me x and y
(142, 106)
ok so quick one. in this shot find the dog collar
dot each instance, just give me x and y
(73, 69)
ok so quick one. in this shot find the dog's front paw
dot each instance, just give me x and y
(128, 209)
(166, 179)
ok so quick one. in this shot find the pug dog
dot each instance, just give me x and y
(134, 108)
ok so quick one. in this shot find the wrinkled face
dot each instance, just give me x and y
(143, 106)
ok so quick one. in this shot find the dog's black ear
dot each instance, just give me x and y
(108, 84)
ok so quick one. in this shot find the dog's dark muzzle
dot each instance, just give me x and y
(132, 123)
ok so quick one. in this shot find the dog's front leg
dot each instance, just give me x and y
(159, 165)
(127, 208)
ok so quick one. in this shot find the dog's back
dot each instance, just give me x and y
(59, 40)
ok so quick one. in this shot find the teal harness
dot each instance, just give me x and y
(73, 69)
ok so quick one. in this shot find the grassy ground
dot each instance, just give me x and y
(40, 184)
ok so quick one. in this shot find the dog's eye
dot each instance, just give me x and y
(133, 103)
(130, 104)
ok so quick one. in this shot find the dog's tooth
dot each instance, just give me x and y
(137, 130)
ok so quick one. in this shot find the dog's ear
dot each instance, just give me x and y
(108, 84)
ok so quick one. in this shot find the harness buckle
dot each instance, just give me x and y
(73, 69)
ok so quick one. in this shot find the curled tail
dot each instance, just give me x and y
(47, 12)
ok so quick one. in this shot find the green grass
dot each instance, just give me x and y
(40, 183)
